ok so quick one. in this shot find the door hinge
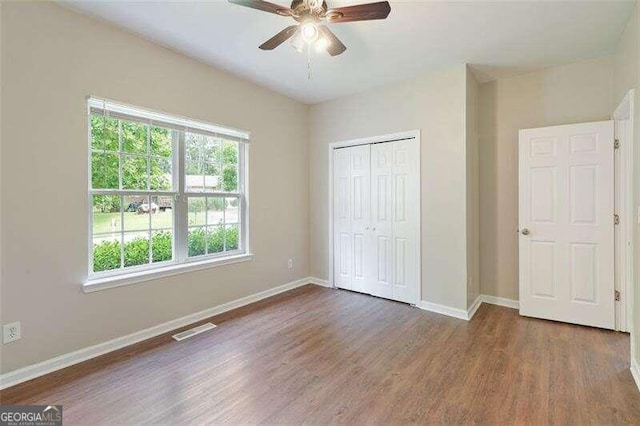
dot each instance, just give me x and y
(616, 219)
(616, 144)
(616, 295)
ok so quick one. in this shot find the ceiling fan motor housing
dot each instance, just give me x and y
(303, 13)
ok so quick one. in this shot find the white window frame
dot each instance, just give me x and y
(180, 262)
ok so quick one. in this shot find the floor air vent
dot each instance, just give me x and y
(193, 331)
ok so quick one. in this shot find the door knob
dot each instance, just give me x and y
(374, 228)
(525, 231)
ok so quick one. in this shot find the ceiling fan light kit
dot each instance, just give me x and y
(309, 14)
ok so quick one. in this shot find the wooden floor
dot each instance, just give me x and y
(317, 355)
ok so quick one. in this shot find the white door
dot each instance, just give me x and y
(382, 219)
(406, 217)
(351, 210)
(343, 240)
(566, 223)
(361, 217)
(376, 219)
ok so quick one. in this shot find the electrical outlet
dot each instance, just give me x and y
(11, 332)
(290, 264)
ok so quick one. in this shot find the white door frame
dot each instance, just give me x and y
(366, 141)
(623, 118)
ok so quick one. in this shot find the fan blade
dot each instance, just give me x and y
(279, 38)
(265, 6)
(335, 46)
(360, 12)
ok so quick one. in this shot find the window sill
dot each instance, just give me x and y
(98, 284)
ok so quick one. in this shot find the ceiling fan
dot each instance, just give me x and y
(309, 14)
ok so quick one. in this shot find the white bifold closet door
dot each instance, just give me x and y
(376, 219)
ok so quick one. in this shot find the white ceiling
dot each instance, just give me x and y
(497, 38)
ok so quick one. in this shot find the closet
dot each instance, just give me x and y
(376, 230)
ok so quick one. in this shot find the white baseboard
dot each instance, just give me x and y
(36, 370)
(469, 313)
(443, 309)
(320, 282)
(452, 312)
(474, 307)
(500, 301)
(635, 372)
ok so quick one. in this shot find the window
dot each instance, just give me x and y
(163, 190)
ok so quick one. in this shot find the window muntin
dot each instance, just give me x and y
(136, 196)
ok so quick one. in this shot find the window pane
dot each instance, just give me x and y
(193, 147)
(104, 133)
(230, 152)
(161, 229)
(163, 218)
(134, 172)
(162, 246)
(134, 137)
(104, 171)
(215, 210)
(212, 150)
(212, 177)
(136, 248)
(194, 180)
(232, 211)
(193, 168)
(161, 176)
(196, 208)
(106, 253)
(196, 242)
(230, 178)
(136, 212)
(161, 139)
(215, 241)
(231, 237)
(106, 214)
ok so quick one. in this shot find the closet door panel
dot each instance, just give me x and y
(342, 237)
(361, 218)
(382, 219)
(405, 217)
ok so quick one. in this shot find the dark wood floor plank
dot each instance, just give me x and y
(315, 355)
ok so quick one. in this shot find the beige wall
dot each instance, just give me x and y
(434, 104)
(566, 94)
(52, 59)
(626, 76)
(473, 189)
(625, 67)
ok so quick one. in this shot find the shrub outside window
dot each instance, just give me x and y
(163, 190)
